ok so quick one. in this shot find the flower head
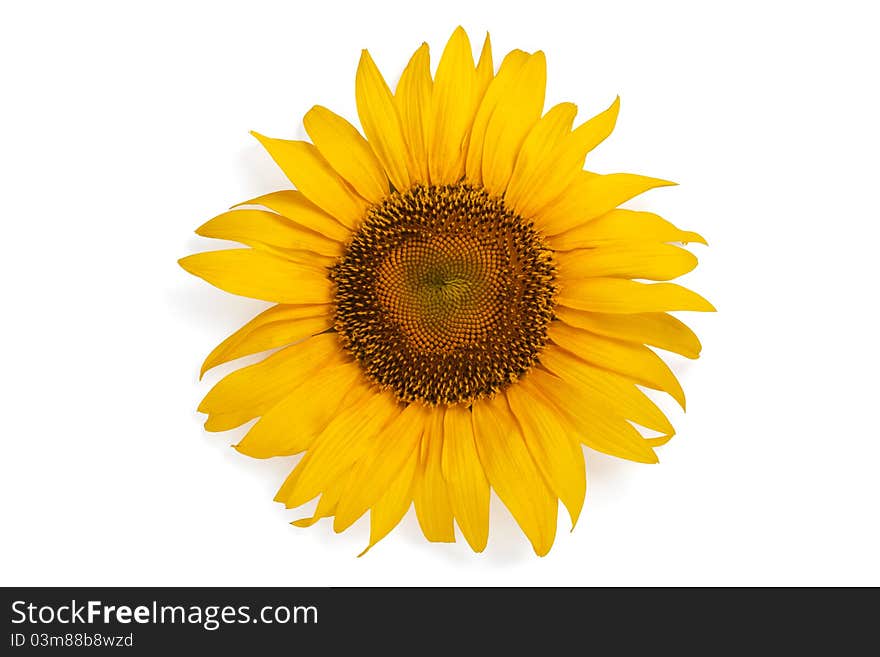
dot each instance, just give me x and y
(455, 303)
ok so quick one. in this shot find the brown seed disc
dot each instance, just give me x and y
(444, 295)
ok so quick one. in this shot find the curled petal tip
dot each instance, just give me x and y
(259, 137)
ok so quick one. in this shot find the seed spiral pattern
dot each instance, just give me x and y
(444, 295)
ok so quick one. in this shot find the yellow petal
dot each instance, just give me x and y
(622, 225)
(484, 74)
(431, 498)
(260, 275)
(590, 195)
(603, 431)
(648, 260)
(610, 393)
(392, 506)
(562, 164)
(278, 326)
(615, 295)
(376, 471)
(338, 447)
(300, 210)
(380, 122)
(656, 329)
(465, 479)
(313, 176)
(522, 103)
(452, 110)
(260, 386)
(591, 133)
(512, 472)
(262, 229)
(537, 154)
(412, 98)
(347, 152)
(553, 448)
(292, 424)
(498, 86)
(485, 68)
(226, 421)
(633, 360)
(328, 503)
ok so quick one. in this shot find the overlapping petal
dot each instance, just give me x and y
(256, 388)
(635, 361)
(386, 457)
(295, 206)
(591, 195)
(316, 179)
(274, 233)
(380, 121)
(344, 440)
(617, 295)
(467, 485)
(412, 98)
(621, 225)
(656, 329)
(278, 326)
(453, 101)
(513, 474)
(303, 409)
(430, 491)
(505, 132)
(546, 178)
(347, 152)
(497, 88)
(651, 261)
(260, 275)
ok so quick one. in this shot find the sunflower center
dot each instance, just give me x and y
(444, 294)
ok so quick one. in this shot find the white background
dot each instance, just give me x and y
(125, 126)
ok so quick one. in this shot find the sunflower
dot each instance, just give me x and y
(455, 304)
